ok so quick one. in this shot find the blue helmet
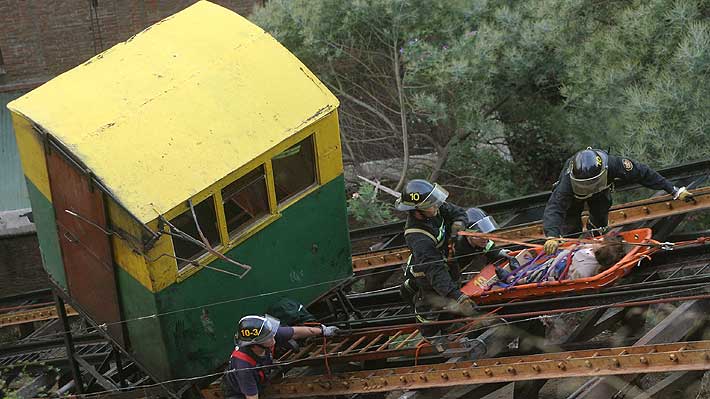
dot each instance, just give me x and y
(480, 221)
(256, 330)
(420, 194)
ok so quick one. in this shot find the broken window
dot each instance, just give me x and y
(185, 250)
(294, 170)
(245, 201)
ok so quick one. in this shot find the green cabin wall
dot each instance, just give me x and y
(46, 225)
(308, 246)
(144, 334)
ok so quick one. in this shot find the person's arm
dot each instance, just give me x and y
(305, 332)
(453, 213)
(556, 209)
(431, 262)
(247, 382)
(631, 171)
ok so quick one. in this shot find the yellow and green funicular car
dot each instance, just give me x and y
(205, 120)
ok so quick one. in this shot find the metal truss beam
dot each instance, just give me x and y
(685, 356)
(619, 215)
(29, 316)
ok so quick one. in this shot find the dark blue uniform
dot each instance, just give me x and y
(246, 375)
(427, 241)
(428, 274)
(563, 211)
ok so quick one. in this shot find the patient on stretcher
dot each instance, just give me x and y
(580, 261)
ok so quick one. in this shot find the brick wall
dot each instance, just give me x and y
(21, 265)
(40, 39)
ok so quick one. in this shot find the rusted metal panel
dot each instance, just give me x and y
(29, 316)
(612, 361)
(86, 250)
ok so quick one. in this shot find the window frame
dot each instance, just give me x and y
(274, 212)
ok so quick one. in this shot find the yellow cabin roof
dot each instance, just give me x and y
(179, 106)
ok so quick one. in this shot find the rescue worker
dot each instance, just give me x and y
(430, 282)
(475, 252)
(588, 178)
(256, 338)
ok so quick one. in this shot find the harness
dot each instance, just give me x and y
(439, 241)
(252, 362)
(535, 265)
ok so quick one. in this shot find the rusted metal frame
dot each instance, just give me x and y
(665, 387)
(29, 316)
(164, 389)
(362, 356)
(649, 359)
(381, 353)
(586, 331)
(684, 319)
(637, 211)
(69, 344)
(387, 257)
(371, 343)
(353, 346)
(97, 376)
(119, 367)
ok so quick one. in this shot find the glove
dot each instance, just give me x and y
(505, 253)
(329, 331)
(551, 246)
(464, 306)
(682, 194)
(456, 227)
(463, 298)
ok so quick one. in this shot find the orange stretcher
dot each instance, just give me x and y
(482, 289)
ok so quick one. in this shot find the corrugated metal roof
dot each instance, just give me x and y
(13, 191)
(179, 106)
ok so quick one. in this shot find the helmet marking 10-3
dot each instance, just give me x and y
(420, 194)
(256, 330)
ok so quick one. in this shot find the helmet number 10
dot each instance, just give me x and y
(414, 196)
(250, 332)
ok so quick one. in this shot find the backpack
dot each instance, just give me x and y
(290, 312)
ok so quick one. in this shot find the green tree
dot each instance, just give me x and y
(504, 91)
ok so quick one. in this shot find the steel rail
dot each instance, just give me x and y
(29, 316)
(384, 342)
(619, 215)
(694, 258)
(683, 356)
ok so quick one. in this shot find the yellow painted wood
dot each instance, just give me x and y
(161, 263)
(31, 149)
(330, 156)
(126, 244)
(179, 106)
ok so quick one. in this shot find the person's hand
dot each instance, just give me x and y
(456, 227)
(464, 306)
(683, 194)
(505, 253)
(463, 298)
(329, 331)
(551, 245)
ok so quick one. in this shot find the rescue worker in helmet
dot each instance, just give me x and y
(588, 177)
(255, 340)
(430, 283)
(474, 252)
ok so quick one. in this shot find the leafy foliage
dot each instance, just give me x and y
(364, 206)
(504, 91)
